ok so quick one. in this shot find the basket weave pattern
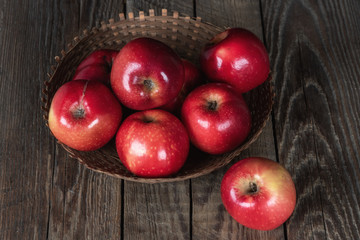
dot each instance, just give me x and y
(186, 36)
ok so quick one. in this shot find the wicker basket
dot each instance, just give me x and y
(187, 37)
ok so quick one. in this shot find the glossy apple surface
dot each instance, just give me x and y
(258, 193)
(152, 143)
(96, 66)
(146, 74)
(192, 79)
(237, 57)
(84, 115)
(217, 119)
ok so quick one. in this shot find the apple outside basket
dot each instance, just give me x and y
(187, 36)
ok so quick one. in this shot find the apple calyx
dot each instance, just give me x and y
(212, 105)
(149, 84)
(78, 113)
(253, 188)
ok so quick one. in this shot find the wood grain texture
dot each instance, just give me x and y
(210, 219)
(84, 204)
(92, 12)
(314, 51)
(157, 211)
(231, 13)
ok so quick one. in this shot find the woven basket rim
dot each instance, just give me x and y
(196, 24)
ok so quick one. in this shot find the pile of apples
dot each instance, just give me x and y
(171, 104)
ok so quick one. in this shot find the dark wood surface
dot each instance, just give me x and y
(314, 130)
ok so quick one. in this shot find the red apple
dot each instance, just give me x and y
(146, 74)
(237, 57)
(96, 66)
(152, 143)
(258, 193)
(192, 79)
(217, 118)
(84, 115)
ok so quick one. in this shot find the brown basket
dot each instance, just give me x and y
(186, 36)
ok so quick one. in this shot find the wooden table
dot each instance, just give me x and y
(314, 130)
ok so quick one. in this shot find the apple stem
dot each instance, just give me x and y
(253, 188)
(83, 94)
(212, 105)
(79, 111)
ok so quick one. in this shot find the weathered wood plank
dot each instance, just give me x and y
(92, 12)
(210, 219)
(157, 211)
(26, 149)
(83, 204)
(314, 51)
